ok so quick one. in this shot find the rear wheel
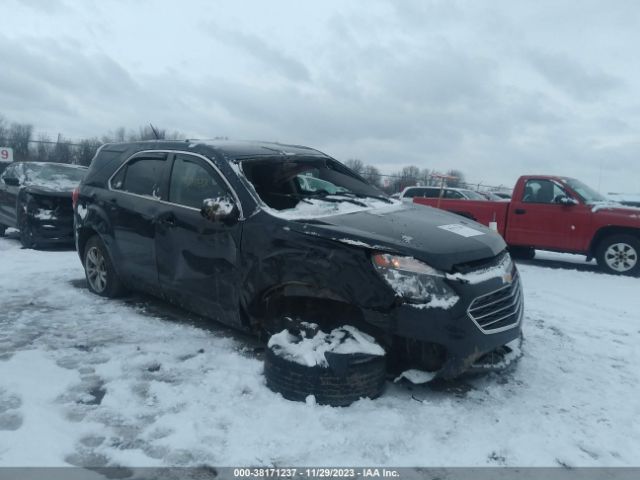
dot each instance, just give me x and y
(102, 278)
(619, 254)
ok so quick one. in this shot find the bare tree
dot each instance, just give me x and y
(115, 136)
(372, 175)
(18, 139)
(61, 151)
(86, 150)
(43, 149)
(458, 180)
(4, 132)
(356, 165)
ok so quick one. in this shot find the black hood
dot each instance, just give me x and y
(411, 230)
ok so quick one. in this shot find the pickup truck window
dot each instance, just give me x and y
(541, 191)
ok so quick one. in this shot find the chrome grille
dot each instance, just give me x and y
(498, 310)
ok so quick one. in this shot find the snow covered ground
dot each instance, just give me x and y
(88, 381)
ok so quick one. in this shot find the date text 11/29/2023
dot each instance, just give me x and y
(255, 473)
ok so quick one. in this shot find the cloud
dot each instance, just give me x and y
(47, 6)
(272, 59)
(489, 89)
(573, 78)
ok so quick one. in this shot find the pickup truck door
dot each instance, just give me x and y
(537, 219)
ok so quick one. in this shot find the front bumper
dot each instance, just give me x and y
(52, 230)
(450, 341)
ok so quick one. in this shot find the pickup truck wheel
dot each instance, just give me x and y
(619, 254)
(102, 278)
(347, 377)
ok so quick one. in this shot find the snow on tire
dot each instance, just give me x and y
(337, 368)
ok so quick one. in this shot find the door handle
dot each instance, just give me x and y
(520, 211)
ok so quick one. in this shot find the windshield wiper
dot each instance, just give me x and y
(323, 195)
(364, 195)
(330, 197)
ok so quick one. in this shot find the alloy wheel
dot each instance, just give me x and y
(96, 268)
(621, 257)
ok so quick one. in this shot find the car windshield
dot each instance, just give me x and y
(54, 175)
(588, 194)
(282, 184)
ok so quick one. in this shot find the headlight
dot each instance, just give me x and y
(412, 279)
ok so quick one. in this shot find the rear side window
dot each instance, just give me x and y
(192, 182)
(432, 192)
(140, 176)
(414, 192)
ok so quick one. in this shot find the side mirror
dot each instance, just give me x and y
(567, 201)
(12, 181)
(220, 209)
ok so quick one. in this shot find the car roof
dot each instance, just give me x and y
(432, 187)
(235, 149)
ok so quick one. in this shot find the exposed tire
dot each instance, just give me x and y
(348, 378)
(522, 253)
(619, 254)
(102, 278)
(27, 236)
(3, 228)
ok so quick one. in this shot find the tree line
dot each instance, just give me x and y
(406, 177)
(42, 148)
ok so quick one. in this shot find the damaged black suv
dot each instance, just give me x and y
(251, 233)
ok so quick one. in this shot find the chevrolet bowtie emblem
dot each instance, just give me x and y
(507, 278)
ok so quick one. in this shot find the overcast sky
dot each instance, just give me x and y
(494, 88)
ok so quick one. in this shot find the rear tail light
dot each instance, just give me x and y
(74, 197)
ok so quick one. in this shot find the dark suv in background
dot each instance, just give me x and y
(35, 198)
(251, 233)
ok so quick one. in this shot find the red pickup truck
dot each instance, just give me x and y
(560, 214)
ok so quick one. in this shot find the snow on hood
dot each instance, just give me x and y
(311, 208)
(611, 205)
(58, 183)
(310, 351)
(624, 197)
